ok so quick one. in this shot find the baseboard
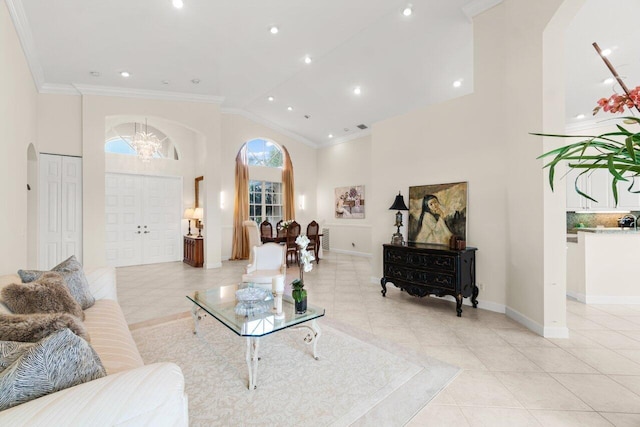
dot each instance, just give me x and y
(485, 305)
(213, 265)
(354, 253)
(605, 299)
(547, 332)
(577, 296)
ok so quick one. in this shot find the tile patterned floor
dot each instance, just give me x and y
(512, 377)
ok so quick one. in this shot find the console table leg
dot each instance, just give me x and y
(383, 283)
(474, 297)
(459, 305)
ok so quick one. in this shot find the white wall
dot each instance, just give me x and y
(237, 130)
(60, 124)
(203, 118)
(18, 121)
(343, 165)
(483, 138)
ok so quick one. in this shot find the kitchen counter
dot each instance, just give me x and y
(602, 266)
(617, 230)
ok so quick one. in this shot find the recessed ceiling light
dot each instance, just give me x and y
(605, 52)
(289, 108)
(580, 116)
(457, 83)
(195, 81)
(307, 59)
(357, 90)
(407, 11)
(271, 99)
(95, 73)
(608, 80)
(125, 73)
(274, 30)
(177, 4)
(165, 82)
(330, 136)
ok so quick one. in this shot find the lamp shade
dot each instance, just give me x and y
(188, 213)
(197, 213)
(398, 204)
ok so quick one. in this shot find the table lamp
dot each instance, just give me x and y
(398, 205)
(198, 214)
(188, 214)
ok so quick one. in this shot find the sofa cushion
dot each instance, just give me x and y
(34, 327)
(71, 271)
(58, 361)
(47, 294)
(111, 338)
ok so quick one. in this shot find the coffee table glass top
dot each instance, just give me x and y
(221, 302)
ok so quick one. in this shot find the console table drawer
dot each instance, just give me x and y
(421, 260)
(429, 278)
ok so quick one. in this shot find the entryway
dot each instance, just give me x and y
(143, 217)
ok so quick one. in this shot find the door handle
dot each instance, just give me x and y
(145, 232)
(137, 232)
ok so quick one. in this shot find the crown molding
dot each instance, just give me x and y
(59, 89)
(146, 94)
(270, 124)
(21, 24)
(478, 6)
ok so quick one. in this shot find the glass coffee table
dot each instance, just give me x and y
(220, 303)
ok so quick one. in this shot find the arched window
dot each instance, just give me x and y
(261, 152)
(118, 141)
(265, 197)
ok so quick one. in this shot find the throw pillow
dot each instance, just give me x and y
(71, 271)
(58, 361)
(47, 294)
(34, 327)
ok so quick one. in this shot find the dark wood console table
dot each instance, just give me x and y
(422, 269)
(193, 251)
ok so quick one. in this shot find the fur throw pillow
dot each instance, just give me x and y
(47, 294)
(34, 327)
(73, 276)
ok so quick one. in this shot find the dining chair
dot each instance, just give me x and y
(293, 231)
(266, 232)
(280, 232)
(314, 240)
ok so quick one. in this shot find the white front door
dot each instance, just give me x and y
(143, 215)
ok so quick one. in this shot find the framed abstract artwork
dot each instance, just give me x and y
(437, 212)
(349, 202)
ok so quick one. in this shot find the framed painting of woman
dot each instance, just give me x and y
(437, 212)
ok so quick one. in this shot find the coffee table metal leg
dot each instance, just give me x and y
(253, 344)
(313, 336)
(195, 313)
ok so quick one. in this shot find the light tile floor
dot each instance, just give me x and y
(511, 376)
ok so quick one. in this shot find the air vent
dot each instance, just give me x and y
(325, 239)
(362, 126)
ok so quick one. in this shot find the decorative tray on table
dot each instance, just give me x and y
(253, 301)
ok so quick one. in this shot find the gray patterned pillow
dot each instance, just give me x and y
(32, 370)
(72, 274)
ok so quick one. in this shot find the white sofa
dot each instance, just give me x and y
(132, 394)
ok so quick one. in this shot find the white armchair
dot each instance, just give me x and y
(268, 262)
(254, 236)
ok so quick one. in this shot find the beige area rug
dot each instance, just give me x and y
(358, 379)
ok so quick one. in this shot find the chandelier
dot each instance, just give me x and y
(145, 143)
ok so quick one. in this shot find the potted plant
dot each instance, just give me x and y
(618, 152)
(299, 295)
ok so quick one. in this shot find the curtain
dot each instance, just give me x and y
(287, 182)
(240, 245)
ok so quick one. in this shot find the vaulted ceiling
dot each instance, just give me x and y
(224, 51)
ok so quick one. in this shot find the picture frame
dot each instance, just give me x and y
(437, 212)
(349, 202)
